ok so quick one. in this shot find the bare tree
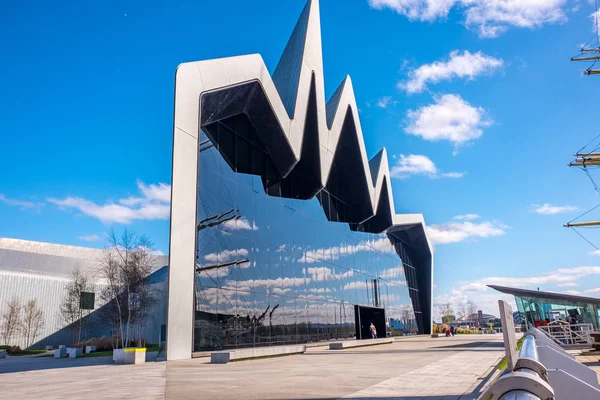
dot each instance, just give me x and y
(71, 311)
(32, 323)
(471, 308)
(461, 310)
(127, 294)
(446, 312)
(11, 320)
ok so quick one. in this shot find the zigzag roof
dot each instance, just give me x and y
(302, 133)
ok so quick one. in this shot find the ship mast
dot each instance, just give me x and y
(591, 53)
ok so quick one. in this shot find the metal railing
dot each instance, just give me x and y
(527, 381)
(542, 369)
(568, 334)
(519, 395)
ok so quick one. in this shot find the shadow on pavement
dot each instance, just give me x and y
(22, 363)
(433, 350)
(472, 344)
(430, 397)
(25, 363)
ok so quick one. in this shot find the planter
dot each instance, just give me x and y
(135, 355)
(74, 352)
(2, 353)
(118, 356)
(60, 353)
(130, 355)
(89, 349)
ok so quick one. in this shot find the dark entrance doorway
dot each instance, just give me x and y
(363, 318)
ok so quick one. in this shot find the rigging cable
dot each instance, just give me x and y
(592, 179)
(584, 238)
(583, 214)
(590, 142)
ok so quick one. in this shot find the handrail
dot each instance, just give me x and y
(519, 395)
(527, 381)
(529, 349)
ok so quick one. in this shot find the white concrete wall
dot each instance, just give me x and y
(49, 292)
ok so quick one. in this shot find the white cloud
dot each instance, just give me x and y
(152, 205)
(567, 284)
(454, 232)
(549, 209)
(486, 302)
(489, 18)
(333, 253)
(561, 277)
(267, 283)
(240, 224)
(319, 290)
(355, 285)
(213, 273)
(423, 10)
(449, 118)
(226, 255)
(384, 102)
(466, 65)
(595, 17)
(416, 164)
(20, 203)
(466, 217)
(319, 274)
(160, 193)
(595, 253)
(89, 238)
(390, 273)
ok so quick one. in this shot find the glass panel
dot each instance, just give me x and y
(273, 270)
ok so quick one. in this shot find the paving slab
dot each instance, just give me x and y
(416, 367)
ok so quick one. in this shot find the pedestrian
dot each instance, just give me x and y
(373, 331)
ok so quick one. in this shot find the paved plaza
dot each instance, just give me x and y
(417, 367)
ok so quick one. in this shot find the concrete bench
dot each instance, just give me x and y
(89, 349)
(2, 353)
(131, 355)
(74, 352)
(223, 357)
(359, 343)
(60, 353)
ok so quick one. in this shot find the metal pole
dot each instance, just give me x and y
(529, 349)
(518, 395)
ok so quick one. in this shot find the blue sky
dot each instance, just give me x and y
(478, 104)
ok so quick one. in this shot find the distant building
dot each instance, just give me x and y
(40, 271)
(475, 319)
(536, 306)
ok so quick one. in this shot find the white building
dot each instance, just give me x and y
(35, 270)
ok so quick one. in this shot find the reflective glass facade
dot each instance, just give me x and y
(271, 269)
(537, 309)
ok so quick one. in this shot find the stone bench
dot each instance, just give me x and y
(359, 343)
(131, 355)
(60, 353)
(89, 349)
(223, 357)
(74, 352)
(2, 353)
